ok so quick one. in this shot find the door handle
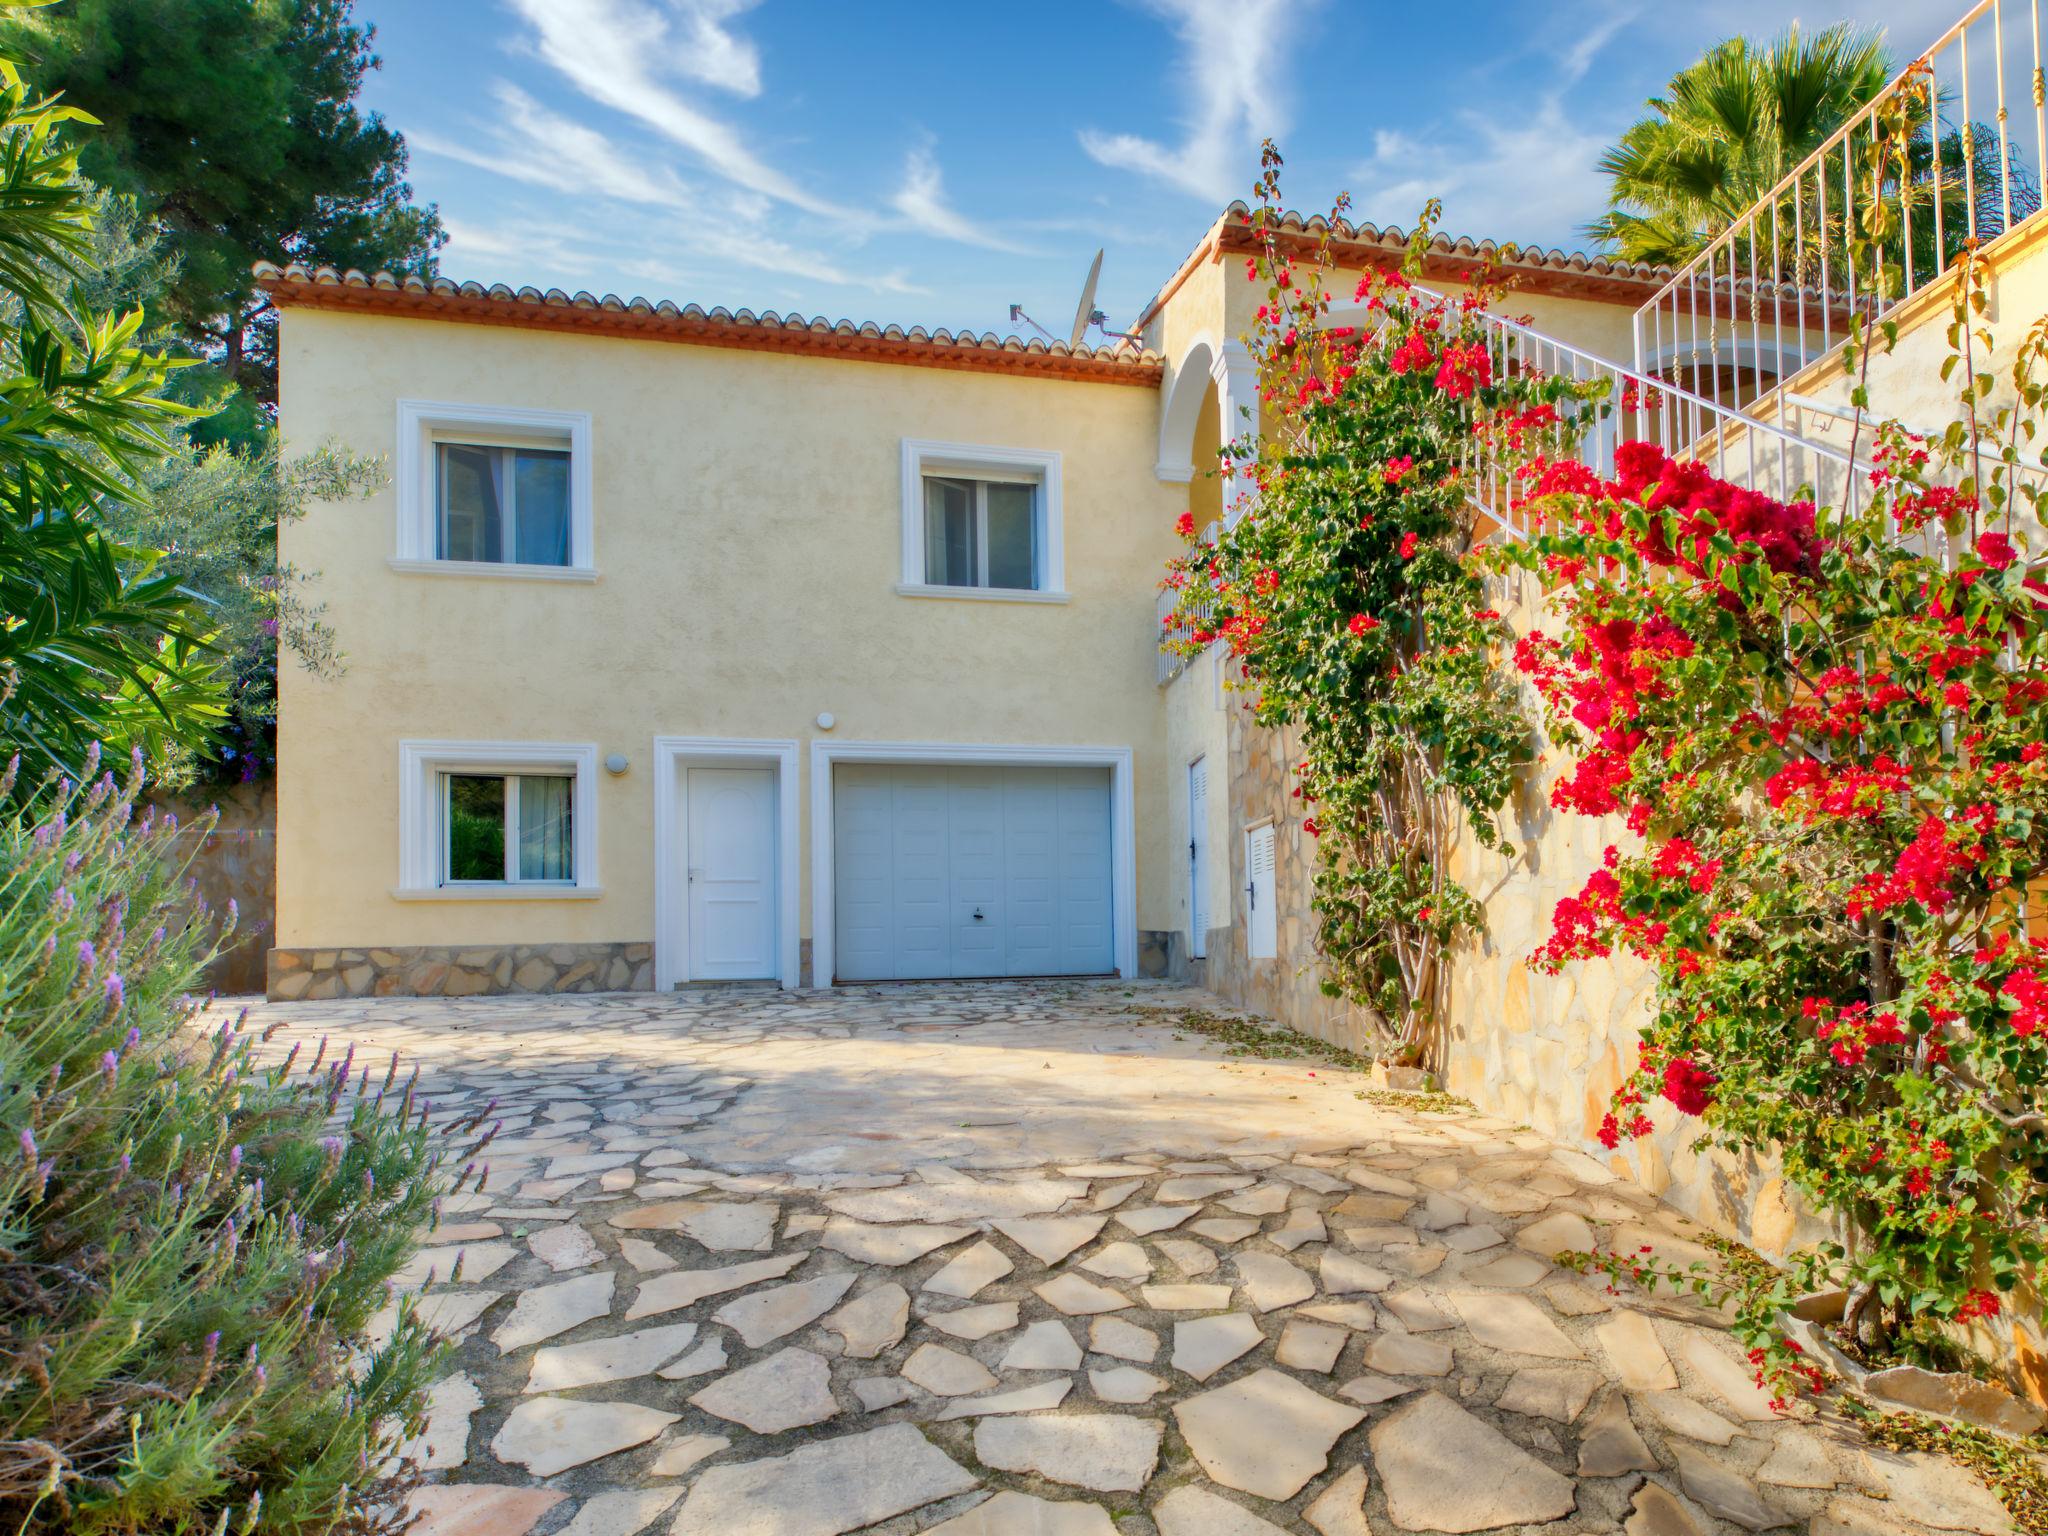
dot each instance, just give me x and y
(977, 914)
(694, 873)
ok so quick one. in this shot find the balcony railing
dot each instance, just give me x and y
(1779, 288)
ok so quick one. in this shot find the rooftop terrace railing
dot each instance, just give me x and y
(1781, 285)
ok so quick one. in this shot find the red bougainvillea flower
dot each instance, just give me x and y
(1186, 526)
(1408, 543)
(1396, 468)
(1688, 1085)
(1977, 1304)
(1363, 624)
(1996, 550)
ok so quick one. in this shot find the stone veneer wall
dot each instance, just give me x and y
(471, 971)
(234, 860)
(1547, 1051)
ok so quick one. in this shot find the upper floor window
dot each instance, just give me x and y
(501, 504)
(493, 490)
(981, 522)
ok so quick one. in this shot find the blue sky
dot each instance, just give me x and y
(933, 162)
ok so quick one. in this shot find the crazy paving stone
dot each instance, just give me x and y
(1195, 1511)
(1044, 1346)
(679, 1455)
(871, 1322)
(1633, 1353)
(790, 1388)
(1199, 1187)
(1186, 1298)
(960, 1202)
(1049, 1239)
(1720, 1490)
(478, 1509)
(1680, 1415)
(1106, 1452)
(1123, 1341)
(1515, 1271)
(1147, 1219)
(1656, 1513)
(879, 1392)
(946, 1372)
(1445, 1470)
(1118, 1261)
(1226, 1229)
(1270, 1282)
(705, 1358)
(568, 1366)
(1515, 1324)
(479, 1261)
(1190, 1257)
(547, 1310)
(975, 1322)
(1339, 1510)
(1403, 1354)
(761, 1317)
(825, 1488)
(892, 1246)
(1263, 1200)
(1011, 1513)
(1558, 1392)
(1306, 1346)
(1732, 1381)
(644, 1256)
(621, 1514)
(970, 1271)
(1265, 1433)
(1562, 1232)
(443, 1440)
(1375, 1389)
(1798, 1460)
(1037, 1397)
(1360, 1316)
(1342, 1275)
(1125, 1384)
(552, 1434)
(1302, 1228)
(1937, 1492)
(1076, 1297)
(1204, 1345)
(683, 1288)
(1608, 1443)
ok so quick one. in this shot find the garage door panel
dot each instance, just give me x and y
(971, 871)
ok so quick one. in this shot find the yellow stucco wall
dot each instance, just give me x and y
(747, 512)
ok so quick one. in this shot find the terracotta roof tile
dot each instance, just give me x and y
(301, 286)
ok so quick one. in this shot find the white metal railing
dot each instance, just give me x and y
(1778, 288)
(1638, 407)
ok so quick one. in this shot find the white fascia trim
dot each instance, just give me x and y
(420, 763)
(421, 422)
(1122, 824)
(1042, 464)
(672, 754)
(980, 594)
(494, 570)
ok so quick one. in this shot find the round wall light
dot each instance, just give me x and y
(826, 721)
(617, 763)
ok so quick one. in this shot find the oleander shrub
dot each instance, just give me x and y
(192, 1240)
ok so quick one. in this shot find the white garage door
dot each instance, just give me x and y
(970, 871)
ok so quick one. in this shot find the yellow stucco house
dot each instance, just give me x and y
(690, 646)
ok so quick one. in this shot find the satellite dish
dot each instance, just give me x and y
(1086, 312)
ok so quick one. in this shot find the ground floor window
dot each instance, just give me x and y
(505, 818)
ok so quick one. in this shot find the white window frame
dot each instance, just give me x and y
(423, 767)
(976, 461)
(424, 424)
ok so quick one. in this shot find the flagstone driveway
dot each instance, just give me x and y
(1024, 1259)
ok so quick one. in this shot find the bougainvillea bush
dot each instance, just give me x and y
(1344, 599)
(1830, 728)
(191, 1243)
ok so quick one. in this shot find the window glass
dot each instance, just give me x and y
(502, 504)
(471, 517)
(950, 556)
(541, 481)
(476, 827)
(544, 827)
(1011, 561)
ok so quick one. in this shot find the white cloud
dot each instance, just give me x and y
(714, 55)
(608, 49)
(1233, 53)
(921, 200)
(545, 149)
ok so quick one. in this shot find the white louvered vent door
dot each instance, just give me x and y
(1262, 927)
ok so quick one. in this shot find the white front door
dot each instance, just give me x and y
(731, 872)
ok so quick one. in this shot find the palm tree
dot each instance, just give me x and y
(1728, 129)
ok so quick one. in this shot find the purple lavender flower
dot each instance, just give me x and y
(28, 1143)
(116, 990)
(235, 1157)
(109, 1065)
(87, 955)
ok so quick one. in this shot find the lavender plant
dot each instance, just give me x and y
(193, 1241)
